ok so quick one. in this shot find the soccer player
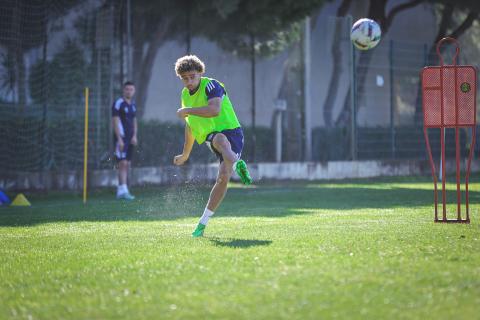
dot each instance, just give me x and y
(125, 136)
(210, 118)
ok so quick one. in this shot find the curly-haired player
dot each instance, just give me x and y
(210, 118)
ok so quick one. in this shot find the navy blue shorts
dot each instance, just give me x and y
(234, 136)
(126, 153)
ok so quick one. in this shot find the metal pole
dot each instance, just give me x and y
(129, 41)
(45, 155)
(440, 178)
(98, 107)
(121, 50)
(280, 107)
(353, 111)
(110, 85)
(85, 149)
(254, 136)
(188, 26)
(278, 135)
(307, 92)
(392, 102)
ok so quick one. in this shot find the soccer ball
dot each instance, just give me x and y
(365, 34)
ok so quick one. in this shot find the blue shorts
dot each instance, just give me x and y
(234, 136)
(126, 153)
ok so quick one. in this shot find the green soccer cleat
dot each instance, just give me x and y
(242, 171)
(199, 231)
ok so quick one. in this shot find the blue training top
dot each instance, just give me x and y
(126, 112)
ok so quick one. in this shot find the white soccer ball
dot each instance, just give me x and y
(365, 34)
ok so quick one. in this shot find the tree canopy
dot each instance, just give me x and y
(231, 24)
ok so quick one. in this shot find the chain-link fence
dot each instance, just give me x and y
(51, 51)
(364, 105)
(383, 117)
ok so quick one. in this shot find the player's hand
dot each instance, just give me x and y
(121, 145)
(182, 113)
(180, 159)
(134, 140)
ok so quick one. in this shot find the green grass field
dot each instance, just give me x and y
(365, 249)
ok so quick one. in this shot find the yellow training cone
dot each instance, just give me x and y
(20, 200)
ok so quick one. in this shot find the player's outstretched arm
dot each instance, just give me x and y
(187, 147)
(212, 110)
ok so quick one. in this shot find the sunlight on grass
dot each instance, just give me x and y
(363, 249)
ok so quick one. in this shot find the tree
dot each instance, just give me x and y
(377, 12)
(272, 23)
(236, 25)
(19, 24)
(8, 76)
(337, 64)
(448, 27)
(66, 80)
(155, 22)
(24, 26)
(246, 28)
(259, 28)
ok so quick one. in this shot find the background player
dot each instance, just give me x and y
(125, 136)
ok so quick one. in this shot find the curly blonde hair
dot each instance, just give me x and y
(189, 63)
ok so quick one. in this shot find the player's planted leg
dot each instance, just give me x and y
(122, 189)
(220, 143)
(198, 232)
(216, 196)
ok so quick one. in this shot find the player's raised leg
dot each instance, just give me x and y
(222, 145)
(241, 169)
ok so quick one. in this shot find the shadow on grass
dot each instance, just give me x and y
(173, 203)
(239, 243)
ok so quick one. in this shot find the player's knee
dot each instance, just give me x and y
(224, 177)
(220, 141)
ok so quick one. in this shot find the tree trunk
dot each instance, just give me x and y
(17, 50)
(21, 78)
(335, 75)
(290, 91)
(143, 69)
(188, 28)
(253, 82)
(362, 72)
(44, 89)
(376, 11)
(337, 65)
(343, 119)
(432, 57)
